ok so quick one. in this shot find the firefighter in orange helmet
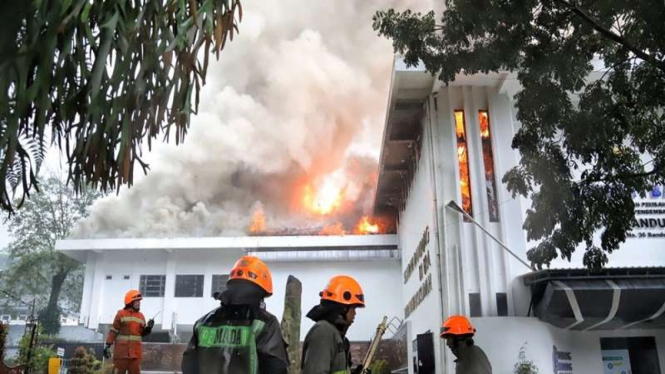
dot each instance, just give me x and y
(326, 349)
(458, 332)
(129, 327)
(240, 336)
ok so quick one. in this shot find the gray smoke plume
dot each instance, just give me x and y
(300, 94)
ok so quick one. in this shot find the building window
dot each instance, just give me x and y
(475, 306)
(125, 277)
(636, 355)
(5, 318)
(488, 160)
(463, 159)
(502, 304)
(189, 286)
(219, 284)
(22, 317)
(152, 285)
(109, 277)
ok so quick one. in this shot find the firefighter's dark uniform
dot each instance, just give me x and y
(471, 360)
(237, 338)
(325, 350)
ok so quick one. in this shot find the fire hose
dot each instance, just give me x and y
(374, 345)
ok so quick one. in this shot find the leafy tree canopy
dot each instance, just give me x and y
(97, 78)
(39, 272)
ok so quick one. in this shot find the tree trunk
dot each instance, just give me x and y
(291, 322)
(50, 317)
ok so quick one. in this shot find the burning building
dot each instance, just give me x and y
(463, 249)
(448, 241)
(276, 164)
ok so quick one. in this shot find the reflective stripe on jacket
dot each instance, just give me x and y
(126, 332)
(236, 339)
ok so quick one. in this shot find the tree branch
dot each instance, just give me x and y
(613, 36)
(608, 178)
(614, 67)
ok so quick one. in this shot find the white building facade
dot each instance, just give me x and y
(452, 143)
(178, 277)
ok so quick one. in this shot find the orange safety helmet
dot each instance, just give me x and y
(252, 269)
(344, 290)
(457, 326)
(132, 295)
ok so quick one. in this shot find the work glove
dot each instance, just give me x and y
(107, 351)
(148, 327)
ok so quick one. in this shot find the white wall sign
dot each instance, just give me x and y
(421, 253)
(616, 361)
(649, 216)
(417, 255)
(562, 361)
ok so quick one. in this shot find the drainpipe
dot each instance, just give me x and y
(439, 228)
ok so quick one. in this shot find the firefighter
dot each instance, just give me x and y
(326, 349)
(240, 336)
(458, 332)
(129, 327)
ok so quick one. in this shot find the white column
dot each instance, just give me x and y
(97, 300)
(169, 291)
(511, 213)
(476, 243)
(88, 280)
(462, 278)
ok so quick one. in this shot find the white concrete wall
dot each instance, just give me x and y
(479, 251)
(633, 253)
(471, 261)
(419, 215)
(378, 278)
(502, 337)
(481, 265)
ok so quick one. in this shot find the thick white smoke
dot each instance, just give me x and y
(300, 93)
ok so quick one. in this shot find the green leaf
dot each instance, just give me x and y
(65, 6)
(85, 13)
(56, 59)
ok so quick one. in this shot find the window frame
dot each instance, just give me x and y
(198, 286)
(143, 278)
(213, 289)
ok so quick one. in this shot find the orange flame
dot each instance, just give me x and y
(325, 200)
(258, 222)
(365, 226)
(333, 229)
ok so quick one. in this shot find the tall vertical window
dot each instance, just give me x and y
(488, 159)
(463, 159)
